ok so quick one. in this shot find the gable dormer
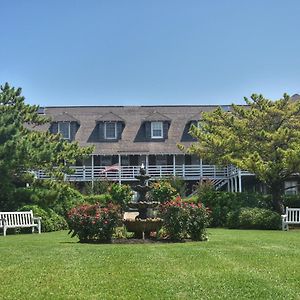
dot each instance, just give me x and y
(156, 126)
(110, 127)
(66, 125)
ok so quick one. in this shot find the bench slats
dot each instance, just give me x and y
(292, 216)
(19, 219)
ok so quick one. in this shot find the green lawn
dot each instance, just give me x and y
(233, 264)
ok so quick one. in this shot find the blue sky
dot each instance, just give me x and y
(139, 52)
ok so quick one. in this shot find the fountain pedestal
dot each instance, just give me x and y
(142, 225)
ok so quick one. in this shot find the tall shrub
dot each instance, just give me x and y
(93, 222)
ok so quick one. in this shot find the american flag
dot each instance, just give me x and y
(114, 167)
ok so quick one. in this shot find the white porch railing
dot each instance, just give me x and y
(128, 173)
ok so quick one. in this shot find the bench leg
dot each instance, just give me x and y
(32, 229)
(4, 231)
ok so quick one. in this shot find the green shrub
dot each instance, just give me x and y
(97, 187)
(51, 221)
(254, 218)
(102, 199)
(291, 200)
(120, 194)
(221, 203)
(174, 218)
(196, 221)
(178, 184)
(67, 198)
(182, 218)
(162, 191)
(93, 222)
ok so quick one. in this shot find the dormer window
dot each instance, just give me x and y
(110, 130)
(64, 129)
(156, 130)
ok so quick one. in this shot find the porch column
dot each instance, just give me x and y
(147, 162)
(120, 168)
(240, 180)
(201, 168)
(235, 184)
(174, 165)
(231, 184)
(93, 172)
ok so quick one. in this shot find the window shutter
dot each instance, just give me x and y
(165, 129)
(73, 130)
(119, 130)
(148, 130)
(54, 128)
(101, 131)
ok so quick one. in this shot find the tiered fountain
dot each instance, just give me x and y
(143, 224)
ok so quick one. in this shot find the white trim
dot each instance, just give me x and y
(69, 129)
(110, 138)
(161, 127)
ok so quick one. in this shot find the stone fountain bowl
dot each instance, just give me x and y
(143, 204)
(143, 225)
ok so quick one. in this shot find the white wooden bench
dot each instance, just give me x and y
(19, 219)
(291, 217)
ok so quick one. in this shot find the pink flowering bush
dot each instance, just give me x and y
(93, 222)
(182, 219)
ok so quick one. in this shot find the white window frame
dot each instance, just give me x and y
(161, 128)
(291, 187)
(69, 130)
(105, 135)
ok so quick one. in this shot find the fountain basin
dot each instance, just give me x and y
(143, 226)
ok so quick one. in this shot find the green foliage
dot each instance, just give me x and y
(262, 137)
(196, 222)
(98, 187)
(51, 221)
(254, 218)
(182, 218)
(121, 194)
(162, 191)
(102, 199)
(22, 148)
(291, 201)
(178, 184)
(93, 222)
(221, 203)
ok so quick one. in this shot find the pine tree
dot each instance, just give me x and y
(262, 137)
(24, 148)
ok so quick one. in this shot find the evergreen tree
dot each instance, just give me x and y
(24, 147)
(262, 137)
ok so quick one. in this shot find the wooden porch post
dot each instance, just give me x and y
(201, 169)
(240, 180)
(120, 168)
(93, 172)
(235, 184)
(174, 165)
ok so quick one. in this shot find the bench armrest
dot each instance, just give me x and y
(283, 216)
(37, 218)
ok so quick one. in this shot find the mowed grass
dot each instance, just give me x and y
(233, 264)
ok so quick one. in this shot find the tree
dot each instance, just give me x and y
(24, 147)
(262, 137)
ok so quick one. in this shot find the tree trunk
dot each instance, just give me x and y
(276, 192)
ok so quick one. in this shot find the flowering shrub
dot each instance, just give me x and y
(93, 222)
(181, 218)
(162, 191)
(196, 221)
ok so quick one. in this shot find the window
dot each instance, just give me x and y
(110, 130)
(156, 130)
(291, 187)
(64, 129)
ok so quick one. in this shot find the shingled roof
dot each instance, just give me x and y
(64, 117)
(110, 117)
(134, 116)
(156, 116)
